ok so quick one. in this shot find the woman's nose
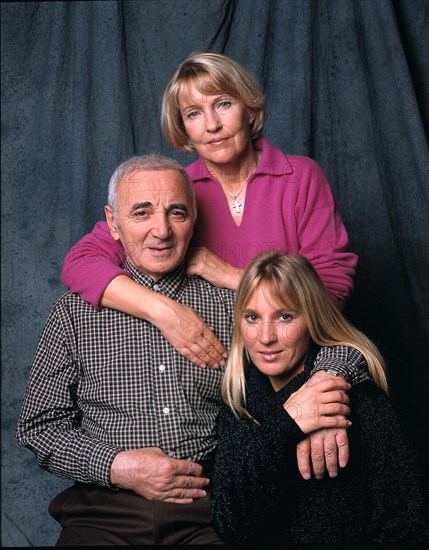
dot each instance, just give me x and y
(213, 122)
(268, 333)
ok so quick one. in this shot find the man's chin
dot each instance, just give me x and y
(159, 266)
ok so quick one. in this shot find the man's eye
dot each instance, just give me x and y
(178, 214)
(140, 213)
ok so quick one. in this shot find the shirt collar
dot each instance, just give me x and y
(169, 285)
(272, 162)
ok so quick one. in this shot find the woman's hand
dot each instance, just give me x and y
(188, 334)
(201, 262)
(321, 405)
(180, 325)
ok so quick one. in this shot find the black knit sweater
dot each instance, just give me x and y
(258, 495)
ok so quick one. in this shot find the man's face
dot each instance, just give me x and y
(155, 220)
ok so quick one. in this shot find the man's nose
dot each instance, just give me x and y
(161, 227)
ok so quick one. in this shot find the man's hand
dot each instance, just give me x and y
(325, 449)
(152, 474)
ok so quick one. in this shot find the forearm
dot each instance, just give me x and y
(66, 451)
(323, 238)
(344, 361)
(124, 294)
(336, 269)
(92, 263)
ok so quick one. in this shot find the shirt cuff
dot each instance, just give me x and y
(343, 361)
(101, 462)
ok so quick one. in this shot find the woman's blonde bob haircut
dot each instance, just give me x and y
(294, 283)
(213, 73)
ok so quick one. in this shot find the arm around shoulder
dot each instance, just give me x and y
(92, 264)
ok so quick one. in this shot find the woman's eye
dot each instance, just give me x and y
(250, 318)
(192, 115)
(225, 104)
(285, 317)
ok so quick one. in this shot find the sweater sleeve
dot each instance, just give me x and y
(249, 459)
(391, 472)
(322, 236)
(92, 263)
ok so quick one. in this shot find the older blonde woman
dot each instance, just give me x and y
(283, 315)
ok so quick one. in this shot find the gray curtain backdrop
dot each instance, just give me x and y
(346, 83)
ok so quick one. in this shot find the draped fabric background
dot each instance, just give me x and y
(346, 83)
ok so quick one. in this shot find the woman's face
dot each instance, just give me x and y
(276, 337)
(217, 125)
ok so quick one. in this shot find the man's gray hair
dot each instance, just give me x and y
(145, 162)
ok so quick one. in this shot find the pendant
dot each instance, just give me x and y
(236, 204)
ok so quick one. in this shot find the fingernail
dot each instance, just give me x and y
(306, 476)
(333, 474)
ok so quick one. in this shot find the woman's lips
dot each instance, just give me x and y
(218, 141)
(269, 355)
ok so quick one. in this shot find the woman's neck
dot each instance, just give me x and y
(232, 176)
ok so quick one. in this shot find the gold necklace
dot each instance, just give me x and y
(236, 204)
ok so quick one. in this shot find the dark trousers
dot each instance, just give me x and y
(94, 516)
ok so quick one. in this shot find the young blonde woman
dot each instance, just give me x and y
(283, 315)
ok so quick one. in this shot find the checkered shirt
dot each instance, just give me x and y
(103, 381)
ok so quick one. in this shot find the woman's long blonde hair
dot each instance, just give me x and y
(293, 281)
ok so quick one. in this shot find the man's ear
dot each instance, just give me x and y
(111, 222)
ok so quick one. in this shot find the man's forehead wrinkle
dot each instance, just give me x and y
(131, 176)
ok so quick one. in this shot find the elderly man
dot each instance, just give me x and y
(111, 404)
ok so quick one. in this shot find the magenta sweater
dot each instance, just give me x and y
(289, 206)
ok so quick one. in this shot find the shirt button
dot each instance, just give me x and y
(162, 368)
(156, 287)
(165, 410)
(171, 453)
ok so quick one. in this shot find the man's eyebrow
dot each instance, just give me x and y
(148, 204)
(178, 206)
(138, 205)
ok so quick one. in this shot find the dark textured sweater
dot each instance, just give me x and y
(258, 495)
